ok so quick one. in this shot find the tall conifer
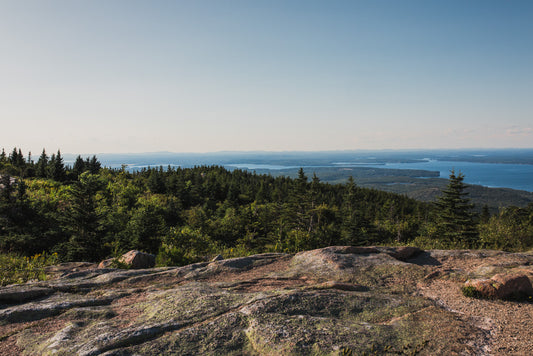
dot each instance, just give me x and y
(57, 167)
(42, 164)
(455, 213)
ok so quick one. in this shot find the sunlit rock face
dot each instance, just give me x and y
(335, 300)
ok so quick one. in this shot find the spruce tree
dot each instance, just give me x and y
(300, 202)
(13, 157)
(42, 164)
(79, 167)
(356, 228)
(57, 169)
(455, 214)
(16, 158)
(84, 220)
(261, 195)
(94, 165)
(6, 206)
(20, 159)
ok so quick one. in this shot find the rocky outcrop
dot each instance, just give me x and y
(335, 300)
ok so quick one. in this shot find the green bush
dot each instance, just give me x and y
(182, 246)
(19, 269)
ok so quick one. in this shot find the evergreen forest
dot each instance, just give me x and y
(86, 212)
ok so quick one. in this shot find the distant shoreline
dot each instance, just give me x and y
(502, 168)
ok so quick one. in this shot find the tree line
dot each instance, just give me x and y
(89, 212)
(50, 167)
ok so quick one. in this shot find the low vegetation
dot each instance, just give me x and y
(20, 269)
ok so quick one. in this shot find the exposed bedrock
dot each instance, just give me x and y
(335, 300)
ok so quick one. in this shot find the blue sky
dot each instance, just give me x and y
(196, 76)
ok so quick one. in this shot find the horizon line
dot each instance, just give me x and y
(313, 151)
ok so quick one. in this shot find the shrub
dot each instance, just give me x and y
(182, 246)
(19, 269)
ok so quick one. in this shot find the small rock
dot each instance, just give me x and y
(484, 287)
(106, 263)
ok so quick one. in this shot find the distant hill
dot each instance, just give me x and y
(428, 190)
(410, 183)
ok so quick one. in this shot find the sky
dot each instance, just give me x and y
(229, 75)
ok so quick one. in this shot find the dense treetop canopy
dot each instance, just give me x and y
(86, 212)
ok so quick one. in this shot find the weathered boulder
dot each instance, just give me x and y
(511, 285)
(132, 259)
(502, 286)
(137, 259)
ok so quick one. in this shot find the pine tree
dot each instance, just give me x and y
(16, 158)
(485, 214)
(42, 164)
(94, 165)
(29, 171)
(233, 194)
(300, 202)
(84, 220)
(6, 205)
(57, 168)
(79, 167)
(156, 181)
(13, 157)
(455, 214)
(261, 196)
(356, 228)
(20, 159)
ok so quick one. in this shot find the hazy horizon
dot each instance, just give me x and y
(208, 76)
(406, 150)
(49, 151)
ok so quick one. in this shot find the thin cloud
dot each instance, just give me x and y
(519, 131)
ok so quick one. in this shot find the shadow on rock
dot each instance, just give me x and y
(425, 259)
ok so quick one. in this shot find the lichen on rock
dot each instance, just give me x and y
(363, 300)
